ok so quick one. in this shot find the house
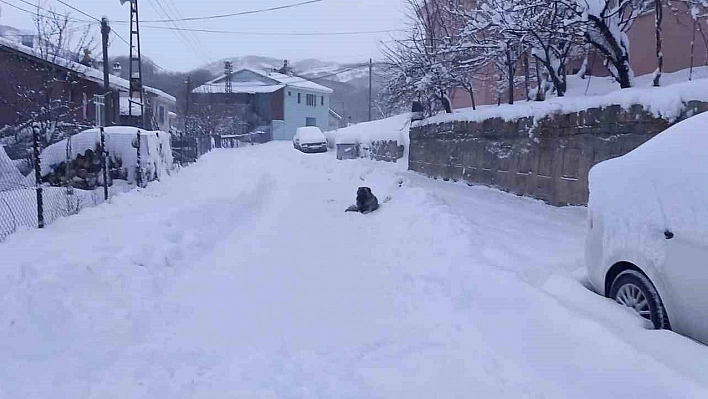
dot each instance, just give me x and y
(679, 31)
(257, 100)
(31, 77)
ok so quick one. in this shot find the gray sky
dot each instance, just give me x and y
(169, 50)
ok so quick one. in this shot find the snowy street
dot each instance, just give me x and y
(242, 277)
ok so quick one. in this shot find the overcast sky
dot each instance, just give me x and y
(173, 52)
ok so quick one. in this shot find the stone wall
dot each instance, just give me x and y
(388, 151)
(548, 159)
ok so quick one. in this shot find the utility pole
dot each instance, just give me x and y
(371, 62)
(105, 31)
(186, 115)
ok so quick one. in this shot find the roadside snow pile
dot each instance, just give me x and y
(10, 176)
(665, 102)
(393, 128)
(121, 144)
(658, 186)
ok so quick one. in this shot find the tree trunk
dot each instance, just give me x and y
(510, 73)
(614, 53)
(693, 45)
(658, 17)
(526, 74)
(469, 90)
(539, 97)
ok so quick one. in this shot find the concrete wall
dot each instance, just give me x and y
(296, 114)
(548, 160)
(388, 151)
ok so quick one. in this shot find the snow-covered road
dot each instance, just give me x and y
(243, 277)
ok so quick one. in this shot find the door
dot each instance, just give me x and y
(682, 197)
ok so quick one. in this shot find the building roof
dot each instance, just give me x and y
(273, 81)
(88, 73)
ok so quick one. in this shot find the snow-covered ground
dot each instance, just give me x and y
(257, 284)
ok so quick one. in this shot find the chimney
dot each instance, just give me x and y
(117, 68)
(285, 70)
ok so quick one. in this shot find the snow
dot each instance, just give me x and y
(252, 87)
(310, 135)
(659, 185)
(221, 88)
(10, 176)
(666, 102)
(155, 150)
(207, 284)
(393, 128)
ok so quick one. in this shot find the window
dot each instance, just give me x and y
(290, 93)
(298, 98)
(84, 106)
(322, 101)
(99, 101)
(161, 114)
(311, 100)
(310, 121)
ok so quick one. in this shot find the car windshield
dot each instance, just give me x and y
(353, 199)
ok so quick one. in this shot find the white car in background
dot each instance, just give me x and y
(647, 243)
(310, 139)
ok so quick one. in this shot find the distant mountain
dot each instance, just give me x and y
(356, 74)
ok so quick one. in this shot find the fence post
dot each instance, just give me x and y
(139, 169)
(104, 164)
(38, 177)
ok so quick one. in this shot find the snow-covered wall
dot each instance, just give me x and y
(545, 156)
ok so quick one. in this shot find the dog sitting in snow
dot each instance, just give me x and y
(366, 201)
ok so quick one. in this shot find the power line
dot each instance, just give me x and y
(175, 11)
(181, 35)
(349, 33)
(44, 9)
(79, 11)
(233, 14)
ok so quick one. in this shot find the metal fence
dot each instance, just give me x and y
(41, 183)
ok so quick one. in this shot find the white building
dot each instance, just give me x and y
(280, 101)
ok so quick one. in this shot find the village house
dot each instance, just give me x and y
(32, 78)
(269, 100)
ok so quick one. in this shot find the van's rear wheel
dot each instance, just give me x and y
(634, 290)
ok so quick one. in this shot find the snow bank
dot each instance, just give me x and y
(658, 186)
(121, 144)
(10, 176)
(393, 128)
(665, 102)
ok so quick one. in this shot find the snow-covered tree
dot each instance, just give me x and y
(606, 25)
(419, 67)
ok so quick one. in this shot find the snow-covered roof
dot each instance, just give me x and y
(220, 87)
(272, 82)
(89, 73)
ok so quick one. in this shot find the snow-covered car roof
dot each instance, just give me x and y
(310, 134)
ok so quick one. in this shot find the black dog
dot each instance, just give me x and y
(366, 201)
